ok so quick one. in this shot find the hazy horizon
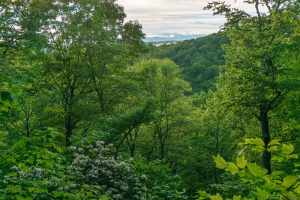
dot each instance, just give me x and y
(185, 17)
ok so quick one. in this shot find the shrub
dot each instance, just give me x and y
(277, 185)
(95, 166)
(161, 183)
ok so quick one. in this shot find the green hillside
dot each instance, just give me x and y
(200, 59)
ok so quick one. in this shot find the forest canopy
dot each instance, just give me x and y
(90, 111)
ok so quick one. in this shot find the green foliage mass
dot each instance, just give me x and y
(277, 185)
(161, 182)
(88, 111)
(200, 59)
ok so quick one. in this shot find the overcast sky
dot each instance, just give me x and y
(175, 16)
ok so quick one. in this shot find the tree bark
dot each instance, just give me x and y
(264, 121)
(69, 130)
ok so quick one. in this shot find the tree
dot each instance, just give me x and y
(90, 47)
(105, 44)
(160, 82)
(257, 76)
(67, 79)
(22, 41)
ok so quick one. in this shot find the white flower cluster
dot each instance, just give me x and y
(95, 166)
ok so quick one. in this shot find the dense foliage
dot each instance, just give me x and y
(200, 59)
(89, 111)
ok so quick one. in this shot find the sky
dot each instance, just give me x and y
(187, 17)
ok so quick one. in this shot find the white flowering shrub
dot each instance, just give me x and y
(31, 183)
(42, 184)
(95, 166)
(35, 168)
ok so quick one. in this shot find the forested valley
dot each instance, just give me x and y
(90, 111)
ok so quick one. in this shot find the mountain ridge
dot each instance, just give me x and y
(171, 37)
(200, 59)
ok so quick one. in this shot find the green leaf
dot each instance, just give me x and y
(14, 188)
(25, 169)
(236, 197)
(202, 193)
(58, 193)
(220, 162)
(297, 164)
(255, 141)
(23, 198)
(231, 167)
(276, 174)
(289, 181)
(297, 190)
(37, 190)
(287, 149)
(258, 149)
(274, 143)
(258, 142)
(256, 170)
(293, 156)
(216, 197)
(262, 194)
(272, 187)
(273, 149)
(277, 158)
(241, 162)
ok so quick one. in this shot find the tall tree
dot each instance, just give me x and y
(105, 43)
(90, 47)
(22, 45)
(257, 75)
(160, 82)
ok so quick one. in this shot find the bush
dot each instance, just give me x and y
(277, 185)
(161, 183)
(96, 167)
(35, 168)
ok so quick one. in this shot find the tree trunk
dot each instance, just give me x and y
(132, 150)
(27, 126)
(162, 150)
(264, 121)
(69, 130)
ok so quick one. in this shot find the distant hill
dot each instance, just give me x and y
(199, 58)
(170, 37)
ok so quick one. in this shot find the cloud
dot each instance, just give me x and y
(176, 16)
